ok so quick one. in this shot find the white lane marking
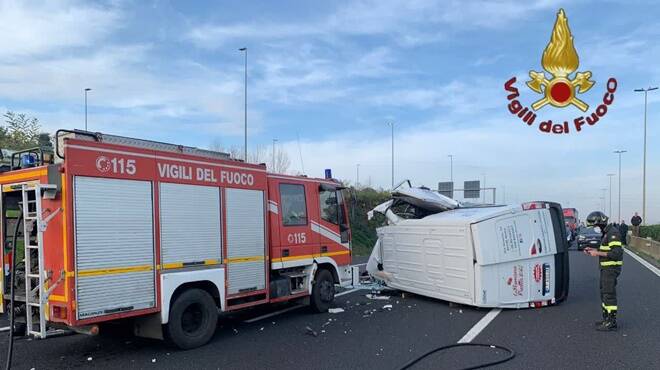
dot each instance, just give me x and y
(258, 318)
(6, 328)
(347, 292)
(639, 259)
(481, 325)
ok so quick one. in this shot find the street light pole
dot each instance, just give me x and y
(483, 194)
(273, 159)
(391, 124)
(451, 167)
(604, 190)
(610, 176)
(645, 91)
(619, 152)
(357, 179)
(86, 91)
(245, 96)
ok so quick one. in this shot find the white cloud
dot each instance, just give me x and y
(470, 96)
(305, 73)
(409, 23)
(32, 29)
(51, 51)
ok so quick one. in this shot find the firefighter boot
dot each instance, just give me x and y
(599, 323)
(609, 324)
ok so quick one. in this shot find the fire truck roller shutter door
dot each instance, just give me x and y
(189, 225)
(245, 240)
(114, 244)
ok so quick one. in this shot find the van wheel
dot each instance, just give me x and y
(193, 319)
(323, 291)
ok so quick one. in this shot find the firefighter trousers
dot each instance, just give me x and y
(608, 279)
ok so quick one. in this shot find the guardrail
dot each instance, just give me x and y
(646, 246)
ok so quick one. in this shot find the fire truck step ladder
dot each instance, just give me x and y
(36, 294)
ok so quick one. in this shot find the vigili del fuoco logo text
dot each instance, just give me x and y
(562, 87)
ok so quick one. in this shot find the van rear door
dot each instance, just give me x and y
(515, 261)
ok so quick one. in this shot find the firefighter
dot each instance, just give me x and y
(610, 255)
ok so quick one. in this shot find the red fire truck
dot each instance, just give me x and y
(112, 227)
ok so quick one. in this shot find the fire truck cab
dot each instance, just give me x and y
(115, 228)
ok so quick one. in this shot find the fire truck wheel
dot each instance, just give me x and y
(323, 291)
(193, 319)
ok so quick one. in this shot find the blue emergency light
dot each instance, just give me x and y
(328, 173)
(27, 161)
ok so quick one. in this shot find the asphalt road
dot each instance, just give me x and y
(368, 336)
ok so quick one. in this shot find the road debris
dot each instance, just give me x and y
(89, 359)
(311, 332)
(387, 307)
(336, 310)
(378, 297)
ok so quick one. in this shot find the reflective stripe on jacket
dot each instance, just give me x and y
(611, 243)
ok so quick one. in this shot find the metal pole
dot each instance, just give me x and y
(483, 194)
(357, 180)
(645, 91)
(619, 152)
(610, 176)
(392, 125)
(86, 90)
(451, 167)
(273, 159)
(245, 157)
(619, 206)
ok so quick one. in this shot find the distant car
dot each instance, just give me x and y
(588, 237)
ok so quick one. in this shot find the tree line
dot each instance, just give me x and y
(20, 131)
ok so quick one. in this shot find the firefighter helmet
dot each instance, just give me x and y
(597, 218)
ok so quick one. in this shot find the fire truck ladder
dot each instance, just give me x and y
(36, 293)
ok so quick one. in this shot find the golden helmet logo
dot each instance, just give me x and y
(561, 89)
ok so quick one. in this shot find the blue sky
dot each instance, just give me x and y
(334, 73)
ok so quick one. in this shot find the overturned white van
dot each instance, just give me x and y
(484, 256)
